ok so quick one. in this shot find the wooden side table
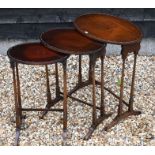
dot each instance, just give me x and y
(36, 54)
(110, 29)
(70, 41)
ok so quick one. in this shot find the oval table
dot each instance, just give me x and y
(105, 28)
(35, 54)
(70, 41)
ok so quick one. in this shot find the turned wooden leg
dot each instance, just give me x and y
(102, 111)
(80, 70)
(90, 70)
(57, 81)
(48, 86)
(49, 100)
(19, 93)
(94, 115)
(14, 67)
(132, 85)
(65, 101)
(97, 120)
(120, 106)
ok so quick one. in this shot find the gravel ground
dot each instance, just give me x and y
(136, 130)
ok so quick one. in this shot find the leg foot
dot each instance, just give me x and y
(93, 127)
(89, 134)
(123, 116)
(44, 112)
(64, 137)
(17, 137)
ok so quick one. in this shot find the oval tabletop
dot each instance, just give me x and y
(69, 41)
(34, 53)
(107, 28)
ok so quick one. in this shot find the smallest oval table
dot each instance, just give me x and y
(37, 54)
(105, 28)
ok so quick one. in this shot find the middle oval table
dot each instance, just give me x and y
(70, 41)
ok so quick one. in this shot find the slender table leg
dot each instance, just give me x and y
(65, 101)
(93, 92)
(102, 110)
(17, 103)
(90, 70)
(57, 81)
(94, 114)
(131, 100)
(23, 117)
(19, 94)
(96, 121)
(51, 102)
(120, 106)
(80, 70)
(123, 115)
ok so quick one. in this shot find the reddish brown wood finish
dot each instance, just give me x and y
(34, 53)
(107, 28)
(69, 41)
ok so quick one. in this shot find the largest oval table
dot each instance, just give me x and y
(105, 28)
